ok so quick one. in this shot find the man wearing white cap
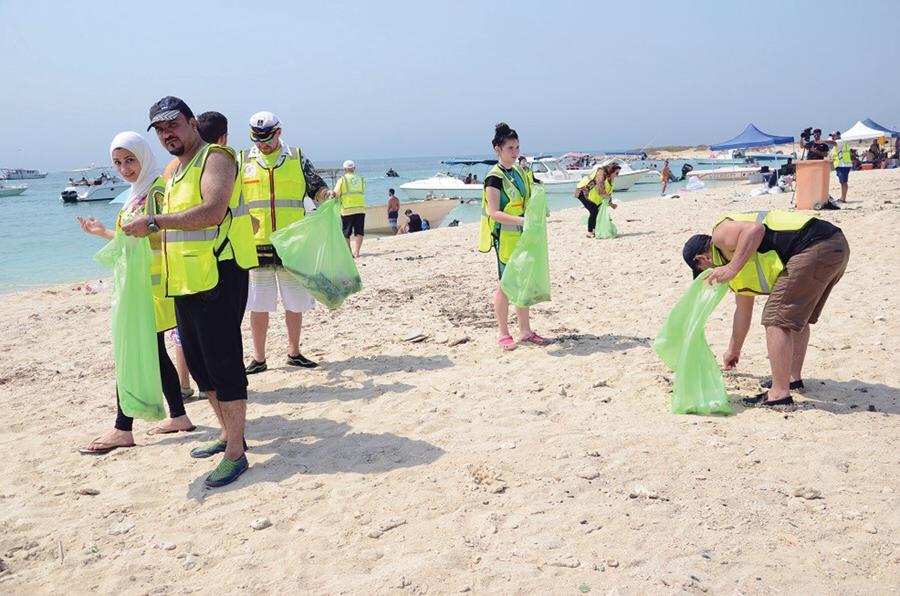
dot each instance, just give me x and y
(351, 188)
(276, 178)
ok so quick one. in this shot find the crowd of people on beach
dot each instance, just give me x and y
(211, 213)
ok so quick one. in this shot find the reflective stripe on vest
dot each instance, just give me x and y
(273, 196)
(190, 257)
(759, 273)
(513, 202)
(353, 189)
(841, 158)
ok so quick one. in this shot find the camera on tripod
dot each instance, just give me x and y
(806, 134)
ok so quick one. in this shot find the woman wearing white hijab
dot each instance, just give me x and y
(135, 162)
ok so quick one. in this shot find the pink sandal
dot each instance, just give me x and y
(533, 338)
(506, 343)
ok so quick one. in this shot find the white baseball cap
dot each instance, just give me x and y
(349, 164)
(264, 121)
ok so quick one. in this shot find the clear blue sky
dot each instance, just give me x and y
(392, 79)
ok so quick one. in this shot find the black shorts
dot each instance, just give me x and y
(354, 224)
(209, 324)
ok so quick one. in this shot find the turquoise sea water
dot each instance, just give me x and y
(41, 242)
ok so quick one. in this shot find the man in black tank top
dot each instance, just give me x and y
(814, 257)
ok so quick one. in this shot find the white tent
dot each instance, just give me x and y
(860, 132)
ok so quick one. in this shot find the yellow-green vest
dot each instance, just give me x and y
(512, 202)
(759, 273)
(594, 195)
(353, 192)
(273, 195)
(190, 257)
(163, 308)
(840, 155)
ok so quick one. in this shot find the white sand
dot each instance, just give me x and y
(401, 468)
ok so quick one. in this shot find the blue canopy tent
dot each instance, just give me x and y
(751, 137)
(874, 125)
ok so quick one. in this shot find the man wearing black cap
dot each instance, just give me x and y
(203, 271)
(793, 258)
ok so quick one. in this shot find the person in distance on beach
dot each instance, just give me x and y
(393, 210)
(207, 249)
(275, 178)
(503, 203)
(664, 177)
(134, 160)
(595, 188)
(796, 260)
(351, 190)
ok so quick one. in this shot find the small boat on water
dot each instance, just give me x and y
(549, 172)
(12, 189)
(732, 157)
(21, 174)
(726, 173)
(104, 187)
(391, 173)
(457, 183)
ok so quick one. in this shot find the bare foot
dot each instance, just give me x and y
(172, 425)
(108, 441)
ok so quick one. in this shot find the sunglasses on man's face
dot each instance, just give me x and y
(262, 135)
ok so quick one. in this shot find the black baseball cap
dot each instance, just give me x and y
(167, 109)
(696, 245)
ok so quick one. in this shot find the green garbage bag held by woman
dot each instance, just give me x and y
(605, 227)
(314, 251)
(134, 327)
(681, 344)
(526, 279)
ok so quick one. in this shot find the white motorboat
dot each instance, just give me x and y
(732, 157)
(726, 173)
(455, 185)
(441, 186)
(555, 178)
(104, 187)
(627, 176)
(12, 189)
(21, 173)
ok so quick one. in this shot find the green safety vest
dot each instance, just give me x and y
(353, 192)
(758, 275)
(163, 307)
(274, 195)
(190, 257)
(840, 155)
(512, 202)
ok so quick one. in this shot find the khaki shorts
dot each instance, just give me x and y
(801, 291)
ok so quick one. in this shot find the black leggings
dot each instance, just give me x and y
(593, 209)
(171, 387)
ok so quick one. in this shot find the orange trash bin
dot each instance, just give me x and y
(812, 183)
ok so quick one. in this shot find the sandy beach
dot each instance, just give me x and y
(448, 467)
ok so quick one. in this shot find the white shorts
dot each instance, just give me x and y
(261, 296)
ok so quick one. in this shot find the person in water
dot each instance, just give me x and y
(134, 161)
(503, 204)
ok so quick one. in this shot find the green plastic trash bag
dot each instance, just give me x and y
(134, 327)
(681, 344)
(315, 252)
(605, 227)
(526, 279)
